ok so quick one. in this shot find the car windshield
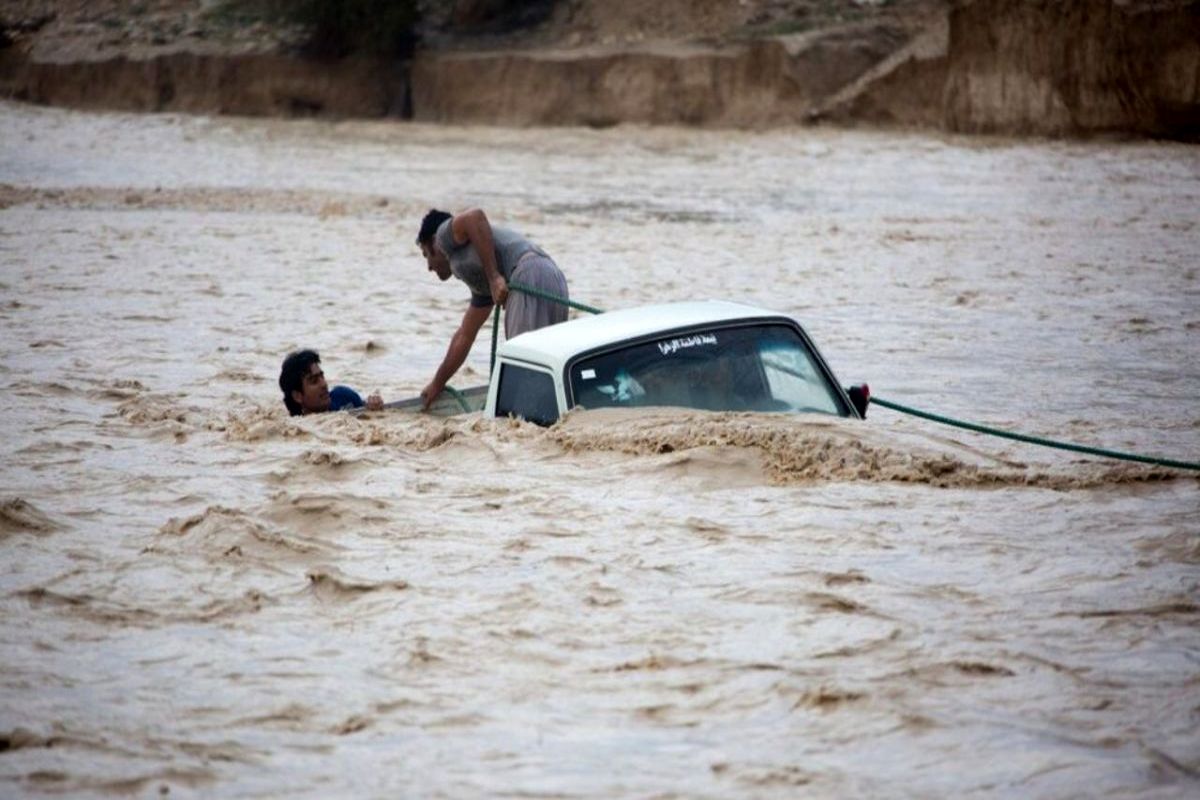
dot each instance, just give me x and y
(751, 368)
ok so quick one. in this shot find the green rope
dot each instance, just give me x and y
(495, 336)
(971, 426)
(520, 287)
(461, 398)
(529, 290)
(1020, 437)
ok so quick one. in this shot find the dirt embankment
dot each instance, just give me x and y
(1037, 67)
(1015, 66)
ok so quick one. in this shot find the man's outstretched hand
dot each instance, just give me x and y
(429, 394)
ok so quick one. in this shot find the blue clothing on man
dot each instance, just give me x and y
(344, 397)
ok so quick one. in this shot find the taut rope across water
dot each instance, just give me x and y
(903, 409)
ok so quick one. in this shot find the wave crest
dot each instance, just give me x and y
(810, 449)
(20, 516)
(224, 533)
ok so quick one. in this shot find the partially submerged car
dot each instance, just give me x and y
(711, 355)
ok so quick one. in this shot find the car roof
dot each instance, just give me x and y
(554, 345)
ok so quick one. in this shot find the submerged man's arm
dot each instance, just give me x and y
(456, 354)
(473, 226)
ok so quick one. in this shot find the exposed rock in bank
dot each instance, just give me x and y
(904, 89)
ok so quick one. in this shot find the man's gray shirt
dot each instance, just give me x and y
(465, 264)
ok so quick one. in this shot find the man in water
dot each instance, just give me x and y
(305, 391)
(486, 258)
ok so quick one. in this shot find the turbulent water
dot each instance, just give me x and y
(202, 596)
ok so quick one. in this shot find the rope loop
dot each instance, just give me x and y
(460, 397)
(517, 286)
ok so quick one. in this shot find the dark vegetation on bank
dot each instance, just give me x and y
(333, 29)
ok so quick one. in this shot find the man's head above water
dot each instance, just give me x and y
(303, 383)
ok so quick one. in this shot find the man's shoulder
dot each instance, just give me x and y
(444, 236)
(344, 397)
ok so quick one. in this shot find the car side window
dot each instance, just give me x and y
(528, 394)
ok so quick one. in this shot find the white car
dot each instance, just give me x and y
(710, 355)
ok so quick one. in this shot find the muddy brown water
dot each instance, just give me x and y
(203, 597)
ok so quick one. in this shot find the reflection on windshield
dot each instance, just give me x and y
(751, 368)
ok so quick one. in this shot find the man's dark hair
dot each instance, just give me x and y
(291, 377)
(429, 226)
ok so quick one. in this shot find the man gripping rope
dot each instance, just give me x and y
(486, 258)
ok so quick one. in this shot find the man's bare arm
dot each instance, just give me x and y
(456, 353)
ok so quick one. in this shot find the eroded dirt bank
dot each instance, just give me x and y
(1060, 68)
(990, 66)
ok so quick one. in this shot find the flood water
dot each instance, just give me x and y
(200, 596)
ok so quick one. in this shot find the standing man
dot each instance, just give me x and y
(486, 258)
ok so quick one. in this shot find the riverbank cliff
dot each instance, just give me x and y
(1010, 67)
